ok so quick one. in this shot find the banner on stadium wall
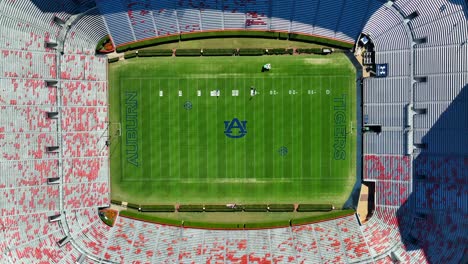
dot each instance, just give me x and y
(381, 70)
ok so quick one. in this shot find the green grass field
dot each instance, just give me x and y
(173, 149)
(233, 43)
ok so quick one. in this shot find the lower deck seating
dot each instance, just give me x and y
(80, 195)
(26, 119)
(137, 20)
(283, 245)
(85, 33)
(387, 167)
(83, 67)
(141, 18)
(395, 90)
(237, 247)
(27, 68)
(89, 169)
(354, 243)
(28, 64)
(117, 21)
(380, 237)
(392, 193)
(83, 118)
(42, 249)
(136, 241)
(165, 17)
(438, 9)
(440, 196)
(280, 15)
(34, 172)
(17, 34)
(84, 93)
(30, 92)
(439, 234)
(189, 20)
(84, 144)
(20, 146)
(211, 19)
(29, 200)
(20, 229)
(304, 16)
(440, 59)
(443, 169)
(391, 35)
(446, 30)
(87, 230)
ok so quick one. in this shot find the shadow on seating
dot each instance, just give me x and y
(434, 216)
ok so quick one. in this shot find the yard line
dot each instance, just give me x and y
(282, 130)
(188, 131)
(255, 141)
(311, 108)
(273, 132)
(245, 144)
(160, 134)
(216, 135)
(263, 114)
(225, 138)
(207, 139)
(302, 118)
(235, 142)
(198, 136)
(178, 125)
(330, 127)
(151, 127)
(292, 131)
(350, 115)
(321, 123)
(169, 134)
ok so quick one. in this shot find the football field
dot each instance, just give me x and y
(219, 130)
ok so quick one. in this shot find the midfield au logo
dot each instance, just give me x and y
(235, 124)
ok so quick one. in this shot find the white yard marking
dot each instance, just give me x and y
(321, 123)
(178, 125)
(160, 134)
(282, 136)
(245, 145)
(188, 135)
(263, 113)
(207, 140)
(235, 142)
(293, 136)
(225, 138)
(151, 126)
(303, 136)
(273, 131)
(169, 140)
(198, 122)
(216, 127)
